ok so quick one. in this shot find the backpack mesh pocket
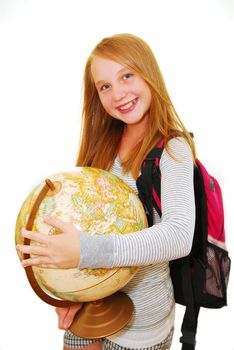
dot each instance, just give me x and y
(217, 275)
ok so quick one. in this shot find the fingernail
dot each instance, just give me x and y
(22, 231)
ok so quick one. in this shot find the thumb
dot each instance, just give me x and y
(61, 312)
(67, 321)
(57, 223)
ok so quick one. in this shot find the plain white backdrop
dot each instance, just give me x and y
(43, 48)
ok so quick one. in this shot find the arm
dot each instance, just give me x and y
(167, 240)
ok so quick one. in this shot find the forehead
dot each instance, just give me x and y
(103, 69)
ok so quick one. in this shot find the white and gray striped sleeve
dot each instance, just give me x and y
(165, 241)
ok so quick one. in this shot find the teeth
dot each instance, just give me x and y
(127, 106)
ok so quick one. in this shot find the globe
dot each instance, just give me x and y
(97, 203)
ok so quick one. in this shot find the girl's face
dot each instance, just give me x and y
(123, 94)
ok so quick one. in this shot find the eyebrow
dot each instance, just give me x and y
(118, 73)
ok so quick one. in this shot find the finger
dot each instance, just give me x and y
(70, 315)
(57, 223)
(61, 312)
(42, 261)
(35, 236)
(32, 249)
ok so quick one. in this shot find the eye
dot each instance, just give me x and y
(104, 87)
(127, 76)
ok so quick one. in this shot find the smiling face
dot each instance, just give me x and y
(123, 94)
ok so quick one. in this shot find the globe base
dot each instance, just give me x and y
(103, 317)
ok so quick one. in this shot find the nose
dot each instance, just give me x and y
(118, 92)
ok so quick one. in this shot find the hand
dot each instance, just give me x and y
(66, 315)
(53, 251)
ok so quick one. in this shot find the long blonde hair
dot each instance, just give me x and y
(101, 133)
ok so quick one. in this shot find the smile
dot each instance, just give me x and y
(127, 107)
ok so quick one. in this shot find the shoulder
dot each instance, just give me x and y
(178, 148)
(177, 153)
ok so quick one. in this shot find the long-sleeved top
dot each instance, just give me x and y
(152, 248)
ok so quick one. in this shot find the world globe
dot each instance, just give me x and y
(97, 203)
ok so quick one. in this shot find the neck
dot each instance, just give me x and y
(135, 131)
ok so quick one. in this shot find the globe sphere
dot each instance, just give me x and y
(97, 203)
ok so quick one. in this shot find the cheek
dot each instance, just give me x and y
(148, 95)
(141, 88)
(106, 103)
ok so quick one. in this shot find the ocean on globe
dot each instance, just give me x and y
(96, 202)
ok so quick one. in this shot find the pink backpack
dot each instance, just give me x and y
(201, 278)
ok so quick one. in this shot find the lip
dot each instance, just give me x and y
(124, 111)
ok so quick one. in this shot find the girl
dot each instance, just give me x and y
(126, 112)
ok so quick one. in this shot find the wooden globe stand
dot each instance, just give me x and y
(96, 319)
(103, 317)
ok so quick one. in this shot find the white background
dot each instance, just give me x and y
(43, 48)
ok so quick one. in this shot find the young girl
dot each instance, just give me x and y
(126, 112)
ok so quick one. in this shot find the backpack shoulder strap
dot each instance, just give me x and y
(149, 182)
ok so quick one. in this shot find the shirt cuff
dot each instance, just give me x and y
(96, 251)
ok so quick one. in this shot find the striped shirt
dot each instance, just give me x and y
(152, 248)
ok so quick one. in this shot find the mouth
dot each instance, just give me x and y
(127, 107)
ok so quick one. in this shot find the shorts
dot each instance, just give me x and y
(74, 342)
